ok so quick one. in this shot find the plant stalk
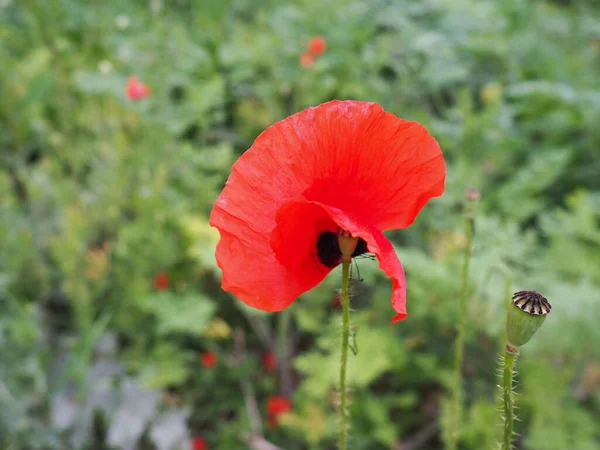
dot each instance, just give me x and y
(283, 350)
(510, 355)
(457, 391)
(344, 351)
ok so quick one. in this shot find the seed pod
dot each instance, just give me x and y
(526, 314)
(347, 244)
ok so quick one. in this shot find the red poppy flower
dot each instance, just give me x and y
(276, 405)
(269, 361)
(208, 359)
(199, 444)
(135, 89)
(317, 45)
(346, 164)
(161, 281)
(306, 60)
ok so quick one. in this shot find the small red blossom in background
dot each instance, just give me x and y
(161, 281)
(343, 164)
(276, 405)
(269, 361)
(317, 45)
(208, 359)
(306, 60)
(135, 89)
(199, 444)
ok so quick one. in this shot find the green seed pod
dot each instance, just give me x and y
(526, 314)
(347, 244)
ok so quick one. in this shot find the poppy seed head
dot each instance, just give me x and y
(532, 302)
(525, 316)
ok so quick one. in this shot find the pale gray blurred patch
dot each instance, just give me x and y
(129, 406)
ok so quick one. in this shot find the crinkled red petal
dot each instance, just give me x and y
(268, 270)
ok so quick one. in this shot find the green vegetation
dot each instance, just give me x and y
(99, 194)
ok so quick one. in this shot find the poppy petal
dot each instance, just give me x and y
(365, 161)
(383, 249)
(269, 270)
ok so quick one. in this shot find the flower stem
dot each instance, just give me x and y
(344, 351)
(510, 355)
(457, 392)
(283, 359)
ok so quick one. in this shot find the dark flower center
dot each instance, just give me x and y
(328, 249)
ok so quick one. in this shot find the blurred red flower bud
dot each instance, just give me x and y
(307, 60)
(199, 444)
(276, 405)
(317, 45)
(161, 281)
(269, 361)
(135, 89)
(208, 359)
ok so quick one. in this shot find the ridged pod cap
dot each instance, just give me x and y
(526, 314)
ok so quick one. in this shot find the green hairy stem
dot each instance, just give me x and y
(508, 401)
(344, 353)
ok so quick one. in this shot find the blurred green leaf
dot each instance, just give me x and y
(180, 313)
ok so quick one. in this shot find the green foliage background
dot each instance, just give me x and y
(98, 194)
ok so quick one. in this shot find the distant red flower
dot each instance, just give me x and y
(199, 444)
(345, 164)
(135, 89)
(306, 60)
(269, 361)
(208, 359)
(317, 45)
(161, 281)
(276, 405)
